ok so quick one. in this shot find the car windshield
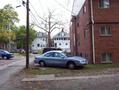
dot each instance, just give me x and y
(64, 54)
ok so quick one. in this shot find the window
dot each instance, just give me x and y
(106, 57)
(64, 34)
(43, 39)
(49, 54)
(85, 34)
(38, 45)
(59, 43)
(58, 55)
(104, 3)
(105, 31)
(77, 24)
(55, 44)
(66, 43)
(84, 9)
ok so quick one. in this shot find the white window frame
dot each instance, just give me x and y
(106, 30)
(107, 59)
(104, 3)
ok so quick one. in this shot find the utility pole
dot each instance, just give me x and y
(27, 34)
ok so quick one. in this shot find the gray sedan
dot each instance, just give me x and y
(58, 58)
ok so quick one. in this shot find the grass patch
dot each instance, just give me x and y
(46, 70)
(101, 66)
(87, 70)
(20, 54)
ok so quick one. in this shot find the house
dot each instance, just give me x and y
(40, 41)
(94, 31)
(62, 40)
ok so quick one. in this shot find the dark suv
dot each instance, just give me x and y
(50, 49)
(5, 54)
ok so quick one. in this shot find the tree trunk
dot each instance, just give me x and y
(49, 40)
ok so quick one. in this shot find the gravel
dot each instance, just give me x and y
(102, 83)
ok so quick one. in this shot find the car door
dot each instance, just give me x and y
(49, 59)
(59, 59)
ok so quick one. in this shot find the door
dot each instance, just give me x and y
(49, 59)
(59, 59)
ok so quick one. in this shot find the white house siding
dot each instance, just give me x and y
(64, 44)
(61, 40)
(40, 42)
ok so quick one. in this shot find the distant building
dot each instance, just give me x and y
(62, 40)
(95, 31)
(40, 41)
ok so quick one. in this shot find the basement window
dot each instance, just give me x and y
(106, 57)
(104, 3)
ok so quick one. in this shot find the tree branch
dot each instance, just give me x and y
(41, 27)
(54, 28)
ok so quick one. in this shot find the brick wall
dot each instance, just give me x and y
(84, 43)
(107, 43)
(108, 14)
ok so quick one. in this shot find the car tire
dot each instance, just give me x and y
(2, 57)
(7, 58)
(42, 63)
(71, 65)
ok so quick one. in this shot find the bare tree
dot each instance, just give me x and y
(49, 24)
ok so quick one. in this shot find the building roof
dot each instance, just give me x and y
(42, 35)
(62, 34)
(77, 4)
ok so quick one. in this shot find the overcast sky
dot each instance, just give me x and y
(62, 8)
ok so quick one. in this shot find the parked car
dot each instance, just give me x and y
(35, 51)
(58, 58)
(5, 54)
(50, 49)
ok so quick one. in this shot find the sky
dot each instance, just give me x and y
(62, 8)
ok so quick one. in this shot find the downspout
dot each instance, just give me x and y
(92, 28)
(75, 36)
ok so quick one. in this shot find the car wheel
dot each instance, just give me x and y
(7, 58)
(71, 65)
(42, 64)
(2, 57)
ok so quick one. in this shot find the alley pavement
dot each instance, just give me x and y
(10, 67)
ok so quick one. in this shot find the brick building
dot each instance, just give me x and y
(95, 31)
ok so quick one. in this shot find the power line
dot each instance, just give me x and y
(62, 6)
(40, 4)
(35, 19)
(37, 13)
